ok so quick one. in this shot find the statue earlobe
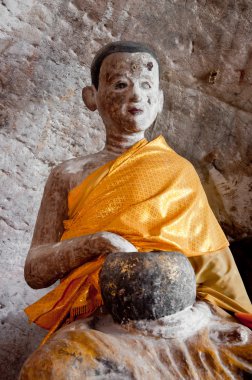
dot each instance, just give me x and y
(88, 96)
(160, 101)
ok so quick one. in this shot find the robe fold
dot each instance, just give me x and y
(152, 197)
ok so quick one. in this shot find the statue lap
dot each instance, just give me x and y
(167, 348)
(160, 331)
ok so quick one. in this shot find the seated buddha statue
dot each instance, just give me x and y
(133, 196)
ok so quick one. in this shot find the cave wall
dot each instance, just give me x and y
(205, 48)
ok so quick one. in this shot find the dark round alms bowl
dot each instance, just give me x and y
(148, 285)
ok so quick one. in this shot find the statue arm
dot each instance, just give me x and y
(50, 259)
(217, 275)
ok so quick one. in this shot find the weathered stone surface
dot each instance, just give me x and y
(147, 286)
(46, 50)
(196, 343)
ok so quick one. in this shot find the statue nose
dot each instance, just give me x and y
(135, 94)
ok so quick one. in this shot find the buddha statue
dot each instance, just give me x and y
(135, 198)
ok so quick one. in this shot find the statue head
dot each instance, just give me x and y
(148, 285)
(125, 86)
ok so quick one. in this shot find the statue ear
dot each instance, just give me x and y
(160, 101)
(88, 96)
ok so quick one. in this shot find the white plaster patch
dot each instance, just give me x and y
(75, 166)
(176, 326)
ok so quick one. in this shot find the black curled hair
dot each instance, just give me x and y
(117, 47)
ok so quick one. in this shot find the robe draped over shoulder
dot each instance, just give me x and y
(152, 197)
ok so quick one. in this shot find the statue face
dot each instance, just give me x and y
(128, 97)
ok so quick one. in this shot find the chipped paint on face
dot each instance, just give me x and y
(149, 66)
(128, 97)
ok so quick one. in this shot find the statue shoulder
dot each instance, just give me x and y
(71, 172)
(76, 165)
(186, 168)
(183, 162)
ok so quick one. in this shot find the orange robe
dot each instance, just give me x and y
(152, 197)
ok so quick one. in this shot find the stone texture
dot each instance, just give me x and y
(46, 51)
(152, 285)
(198, 343)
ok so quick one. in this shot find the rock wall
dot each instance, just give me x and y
(46, 48)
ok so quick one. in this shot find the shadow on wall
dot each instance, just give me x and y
(241, 250)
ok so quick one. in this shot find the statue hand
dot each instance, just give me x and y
(47, 263)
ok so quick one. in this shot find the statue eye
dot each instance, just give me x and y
(120, 85)
(145, 85)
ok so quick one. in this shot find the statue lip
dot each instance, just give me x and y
(135, 111)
